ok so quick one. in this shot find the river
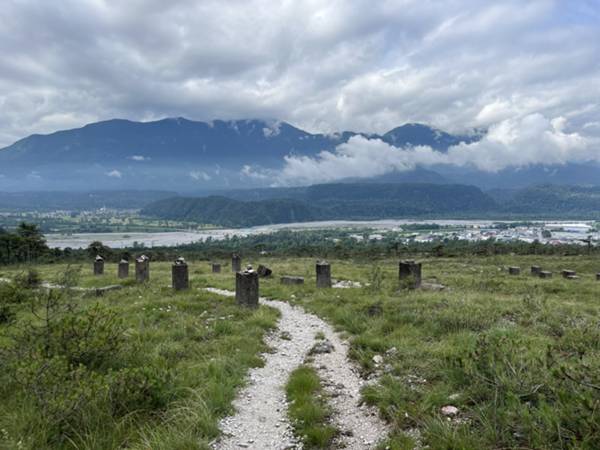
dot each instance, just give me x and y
(175, 238)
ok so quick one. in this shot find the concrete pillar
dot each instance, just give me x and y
(535, 270)
(236, 263)
(246, 288)
(123, 271)
(545, 274)
(180, 275)
(292, 280)
(142, 269)
(216, 268)
(410, 270)
(99, 265)
(514, 270)
(323, 269)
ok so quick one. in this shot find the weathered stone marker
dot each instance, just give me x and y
(568, 273)
(264, 271)
(572, 277)
(545, 274)
(180, 275)
(410, 270)
(535, 270)
(216, 268)
(142, 269)
(323, 269)
(123, 271)
(292, 280)
(598, 276)
(246, 288)
(514, 270)
(99, 265)
(236, 263)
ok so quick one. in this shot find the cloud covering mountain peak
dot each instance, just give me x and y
(321, 65)
(529, 140)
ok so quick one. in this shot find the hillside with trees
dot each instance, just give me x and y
(328, 202)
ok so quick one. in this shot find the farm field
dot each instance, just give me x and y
(491, 361)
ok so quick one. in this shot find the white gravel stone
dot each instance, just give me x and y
(263, 424)
(449, 410)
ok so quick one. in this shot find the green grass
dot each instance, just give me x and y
(517, 355)
(308, 410)
(190, 352)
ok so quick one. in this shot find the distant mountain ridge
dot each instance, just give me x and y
(372, 201)
(178, 154)
(352, 201)
(182, 155)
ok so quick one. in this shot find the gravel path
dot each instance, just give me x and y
(261, 419)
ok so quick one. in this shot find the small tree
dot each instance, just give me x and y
(98, 248)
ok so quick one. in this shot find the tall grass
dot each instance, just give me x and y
(308, 409)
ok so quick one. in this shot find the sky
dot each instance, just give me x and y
(528, 71)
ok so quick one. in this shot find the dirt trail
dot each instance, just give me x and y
(261, 419)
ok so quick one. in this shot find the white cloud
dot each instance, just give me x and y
(322, 65)
(532, 139)
(272, 130)
(199, 175)
(114, 174)
(139, 158)
(257, 173)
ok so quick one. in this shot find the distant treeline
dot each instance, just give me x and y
(333, 244)
(25, 244)
(28, 245)
(78, 201)
(351, 201)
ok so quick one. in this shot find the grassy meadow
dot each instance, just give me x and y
(517, 356)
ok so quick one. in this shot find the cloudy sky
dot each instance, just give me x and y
(511, 66)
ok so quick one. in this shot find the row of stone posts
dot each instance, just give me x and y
(246, 281)
(142, 268)
(537, 271)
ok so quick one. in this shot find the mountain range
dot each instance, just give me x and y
(188, 156)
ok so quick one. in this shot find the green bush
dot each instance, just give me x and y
(71, 364)
(528, 397)
(140, 388)
(28, 280)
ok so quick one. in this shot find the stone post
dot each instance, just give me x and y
(535, 270)
(216, 268)
(545, 274)
(246, 288)
(323, 269)
(142, 269)
(292, 280)
(410, 270)
(514, 270)
(180, 275)
(598, 276)
(123, 271)
(568, 273)
(99, 265)
(236, 263)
